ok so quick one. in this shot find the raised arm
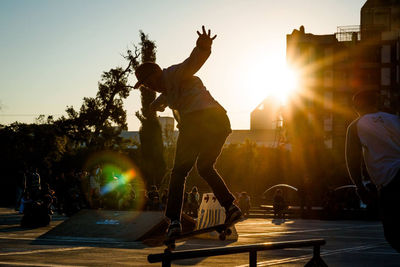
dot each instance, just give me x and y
(198, 56)
(353, 154)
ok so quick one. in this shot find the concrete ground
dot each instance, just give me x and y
(349, 243)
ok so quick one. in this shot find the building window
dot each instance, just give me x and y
(328, 60)
(328, 124)
(310, 118)
(382, 18)
(385, 76)
(385, 54)
(328, 143)
(328, 81)
(328, 99)
(342, 78)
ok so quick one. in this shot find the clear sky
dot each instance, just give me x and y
(52, 53)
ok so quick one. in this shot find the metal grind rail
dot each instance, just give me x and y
(168, 256)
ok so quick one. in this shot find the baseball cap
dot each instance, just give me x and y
(144, 71)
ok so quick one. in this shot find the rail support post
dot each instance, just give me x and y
(166, 263)
(167, 257)
(316, 260)
(253, 258)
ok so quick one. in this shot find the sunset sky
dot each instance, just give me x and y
(52, 53)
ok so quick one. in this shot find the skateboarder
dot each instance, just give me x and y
(373, 139)
(203, 127)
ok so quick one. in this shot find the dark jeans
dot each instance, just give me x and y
(390, 208)
(202, 135)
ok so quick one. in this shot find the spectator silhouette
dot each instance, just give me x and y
(60, 188)
(153, 199)
(279, 204)
(20, 187)
(244, 203)
(33, 184)
(193, 202)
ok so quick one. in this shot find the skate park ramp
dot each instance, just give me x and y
(108, 225)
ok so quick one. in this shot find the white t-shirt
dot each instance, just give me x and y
(379, 134)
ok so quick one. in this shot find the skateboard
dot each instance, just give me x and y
(222, 229)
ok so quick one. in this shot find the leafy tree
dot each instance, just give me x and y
(99, 122)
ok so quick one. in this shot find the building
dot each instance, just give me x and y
(168, 130)
(334, 66)
(267, 115)
(266, 138)
(320, 111)
(266, 125)
(169, 134)
(380, 35)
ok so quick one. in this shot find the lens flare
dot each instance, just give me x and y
(121, 185)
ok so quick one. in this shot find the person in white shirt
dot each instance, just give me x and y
(373, 139)
(203, 127)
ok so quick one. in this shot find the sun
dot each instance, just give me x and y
(271, 77)
(284, 83)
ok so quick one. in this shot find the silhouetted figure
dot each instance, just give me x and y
(304, 192)
(83, 177)
(20, 187)
(72, 201)
(279, 204)
(330, 204)
(373, 139)
(153, 199)
(193, 202)
(244, 203)
(49, 195)
(60, 188)
(37, 212)
(203, 127)
(373, 205)
(25, 200)
(127, 197)
(33, 184)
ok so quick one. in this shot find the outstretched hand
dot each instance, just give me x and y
(205, 40)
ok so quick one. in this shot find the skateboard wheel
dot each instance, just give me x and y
(228, 231)
(222, 236)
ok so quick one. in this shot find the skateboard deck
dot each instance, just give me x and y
(222, 229)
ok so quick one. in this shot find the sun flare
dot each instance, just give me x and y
(271, 78)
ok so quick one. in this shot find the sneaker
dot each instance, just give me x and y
(233, 215)
(174, 229)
